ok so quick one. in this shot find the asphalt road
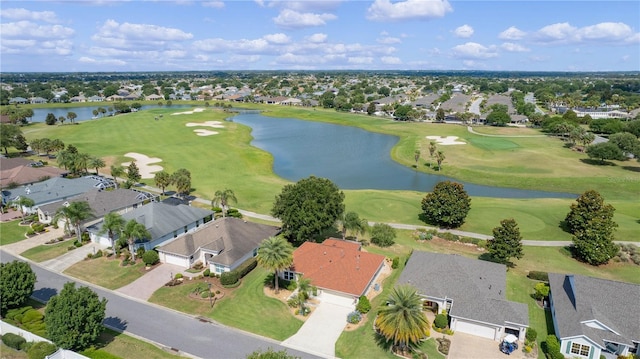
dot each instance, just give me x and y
(163, 326)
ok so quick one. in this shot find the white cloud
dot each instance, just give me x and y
(317, 38)
(608, 33)
(512, 47)
(127, 32)
(360, 60)
(213, 4)
(308, 5)
(278, 38)
(27, 29)
(174, 54)
(388, 40)
(465, 31)
(385, 10)
(292, 19)
(391, 60)
(90, 60)
(512, 33)
(242, 46)
(24, 14)
(473, 50)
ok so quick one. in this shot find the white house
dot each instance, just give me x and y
(594, 317)
(222, 245)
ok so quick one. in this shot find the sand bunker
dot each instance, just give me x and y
(198, 109)
(144, 163)
(203, 132)
(446, 141)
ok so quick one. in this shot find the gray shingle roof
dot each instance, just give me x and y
(476, 287)
(577, 299)
(102, 202)
(53, 189)
(232, 237)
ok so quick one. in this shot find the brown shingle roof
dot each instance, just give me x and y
(18, 170)
(337, 265)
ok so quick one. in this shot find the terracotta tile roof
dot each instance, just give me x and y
(337, 265)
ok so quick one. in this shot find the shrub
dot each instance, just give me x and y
(98, 254)
(354, 317)
(441, 321)
(531, 335)
(205, 294)
(198, 265)
(30, 232)
(293, 302)
(178, 276)
(395, 262)
(13, 341)
(150, 257)
(246, 267)
(77, 244)
(363, 306)
(528, 349)
(207, 272)
(229, 278)
(443, 345)
(383, 235)
(40, 350)
(552, 346)
(140, 252)
(537, 275)
(542, 290)
(232, 212)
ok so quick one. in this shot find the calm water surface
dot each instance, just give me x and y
(350, 157)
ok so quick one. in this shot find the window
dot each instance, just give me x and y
(289, 275)
(580, 349)
(218, 268)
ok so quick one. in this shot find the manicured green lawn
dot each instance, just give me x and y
(45, 252)
(177, 298)
(124, 346)
(248, 308)
(10, 353)
(11, 232)
(107, 273)
(430, 347)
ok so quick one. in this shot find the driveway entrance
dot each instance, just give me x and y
(470, 346)
(318, 335)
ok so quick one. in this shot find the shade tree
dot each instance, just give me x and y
(506, 242)
(17, 282)
(447, 205)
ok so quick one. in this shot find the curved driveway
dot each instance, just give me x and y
(173, 330)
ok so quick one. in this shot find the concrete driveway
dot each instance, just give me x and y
(143, 287)
(59, 264)
(470, 346)
(318, 335)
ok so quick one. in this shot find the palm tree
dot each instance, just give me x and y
(71, 116)
(75, 213)
(352, 222)
(223, 198)
(116, 171)
(112, 224)
(275, 254)
(416, 155)
(440, 157)
(96, 162)
(304, 287)
(432, 149)
(133, 231)
(23, 202)
(81, 163)
(402, 320)
(163, 179)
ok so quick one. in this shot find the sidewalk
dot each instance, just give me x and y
(25, 244)
(143, 287)
(70, 258)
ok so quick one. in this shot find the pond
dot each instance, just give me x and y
(86, 112)
(350, 157)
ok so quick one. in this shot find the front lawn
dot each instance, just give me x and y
(118, 345)
(44, 252)
(177, 298)
(12, 232)
(107, 273)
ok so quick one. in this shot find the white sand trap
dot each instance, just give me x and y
(446, 141)
(201, 132)
(144, 163)
(198, 109)
(214, 124)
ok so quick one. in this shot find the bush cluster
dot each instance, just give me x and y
(229, 278)
(40, 350)
(443, 345)
(363, 306)
(395, 262)
(28, 319)
(441, 321)
(553, 347)
(198, 265)
(354, 317)
(537, 275)
(150, 257)
(207, 272)
(246, 267)
(530, 336)
(13, 341)
(628, 253)
(38, 227)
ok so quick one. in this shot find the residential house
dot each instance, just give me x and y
(54, 190)
(154, 97)
(79, 98)
(37, 100)
(95, 98)
(18, 100)
(470, 290)
(595, 317)
(101, 202)
(163, 221)
(336, 266)
(222, 245)
(21, 171)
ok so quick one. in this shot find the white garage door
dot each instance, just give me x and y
(172, 259)
(475, 329)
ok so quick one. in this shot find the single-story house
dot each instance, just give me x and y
(21, 171)
(53, 190)
(164, 222)
(222, 245)
(471, 291)
(120, 200)
(594, 317)
(336, 266)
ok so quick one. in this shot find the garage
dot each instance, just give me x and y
(475, 329)
(174, 259)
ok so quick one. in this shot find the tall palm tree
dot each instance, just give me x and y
(304, 287)
(116, 171)
(352, 222)
(440, 157)
(74, 214)
(223, 198)
(163, 179)
(112, 224)
(432, 148)
(275, 254)
(133, 231)
(402, 320)
(23, 202)
(416, 155)
(97, 163)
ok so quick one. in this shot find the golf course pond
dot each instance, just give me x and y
(350, 157)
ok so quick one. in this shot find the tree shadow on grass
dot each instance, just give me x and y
(631, 168)
(564, 226)
(549, 321)
(590, 161)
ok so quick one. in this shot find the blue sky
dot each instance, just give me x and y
(112, 35)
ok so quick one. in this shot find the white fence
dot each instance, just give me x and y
(30, 337)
